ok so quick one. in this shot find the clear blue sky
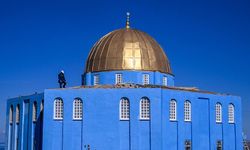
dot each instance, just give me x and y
(207, 42)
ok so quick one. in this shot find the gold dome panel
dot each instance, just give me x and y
(127, 49)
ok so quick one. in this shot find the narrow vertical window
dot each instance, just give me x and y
(11, 114)
(165, 81)
(188, 145)
(58, 109)
(172, 110)
(187, 111)
(144, 109)
(96, 79)
(219, 145)
(77, 109)
(41, 106)
(34, 114)
(17, 114)
(218, 112)
(124, 109)
(231, 113)
(118, 78)
(145, 79)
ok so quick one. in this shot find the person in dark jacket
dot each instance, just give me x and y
(61, 79)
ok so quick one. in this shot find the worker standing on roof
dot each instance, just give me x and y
(61, 79)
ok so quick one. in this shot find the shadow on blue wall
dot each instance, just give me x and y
(39, 132)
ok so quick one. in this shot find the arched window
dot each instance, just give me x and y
(77, 109)
(124, 109)
(187, 111)
(172, 110)
(118, 78)
(17, 113)
(145, 109)
(218, 112)
(34, 114)
(165, 81)
(231, 113)
(145, 79)
(11, 114)
(58, 109)
(96, 79)
(41, 106)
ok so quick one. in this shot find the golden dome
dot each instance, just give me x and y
(127, 49)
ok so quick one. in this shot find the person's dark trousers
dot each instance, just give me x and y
(62, 84)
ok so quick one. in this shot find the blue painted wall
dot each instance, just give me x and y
(135, 77)
(25, 135)
(102, 129)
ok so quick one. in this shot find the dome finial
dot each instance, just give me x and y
(127, 22)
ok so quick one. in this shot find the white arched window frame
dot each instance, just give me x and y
(34, 114)
(124, 109)
(58, 109)
(173, 110)
(11, 114)
(77, 109)
(187, 111)
(231, 113)
(218, 112)
(144, 109)
(17, 113)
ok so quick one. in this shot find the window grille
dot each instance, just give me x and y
(96, 79)
(165, 81)
(118, 78)
(173, 110)
(17, 114)
(77, 109)
(124, 109)
(58, 109)
(187, 111)
(145, 109)
(145, 79)
(218, 112)
(231, 113)
(34, 116)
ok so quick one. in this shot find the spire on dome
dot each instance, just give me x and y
(127, 21)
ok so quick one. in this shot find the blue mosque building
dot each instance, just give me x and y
(127, 101)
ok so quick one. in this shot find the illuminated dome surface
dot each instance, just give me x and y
(127, 49)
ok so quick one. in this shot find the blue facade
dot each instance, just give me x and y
(2, 146)
(26, 133)
(101, 127)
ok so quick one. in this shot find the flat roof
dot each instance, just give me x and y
(128, 85)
